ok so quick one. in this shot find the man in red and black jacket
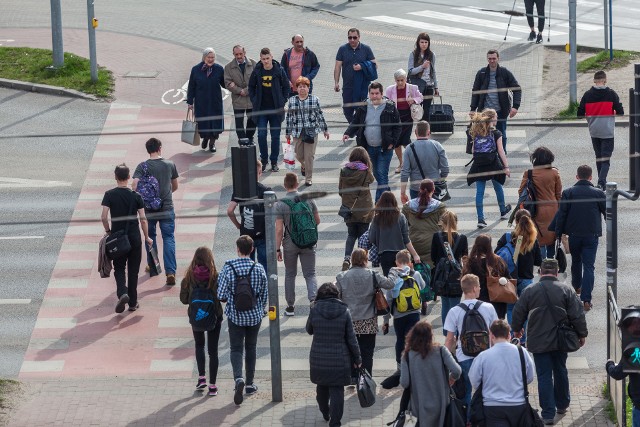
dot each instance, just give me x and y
(599, 105)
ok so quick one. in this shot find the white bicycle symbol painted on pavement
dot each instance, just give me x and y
(176, 96)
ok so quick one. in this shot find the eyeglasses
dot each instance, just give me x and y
(352, 37)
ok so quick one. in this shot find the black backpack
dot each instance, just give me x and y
(474, 337)
(244, 297)
(202, 315)
(446, 276)
(528, 199)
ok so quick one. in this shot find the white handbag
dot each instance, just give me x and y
(416, 112)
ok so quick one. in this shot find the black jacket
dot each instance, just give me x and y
(633, 388)
(279, 88)
(532, 305)
(504, 79)
(310, 65)
(389, 121)
(334, 349)
(580, 210)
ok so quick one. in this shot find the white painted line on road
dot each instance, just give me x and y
(16, 301)
(439, 28)
(20, 237)
(9, 182)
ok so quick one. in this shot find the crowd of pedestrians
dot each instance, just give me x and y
(419, 231)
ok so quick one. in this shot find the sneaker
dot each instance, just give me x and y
(308, 183)
(213, 390)
(251, 389)
(171, 280)
(505, 213)
(289, 311)
(264, 165)
(274, 167)
(122, 302)
(134, 307)
(482, 223)
(532, 36)
(548, 422)
(346, 264)
(587, 305)
(202, 383)
(212, 147)
(539, 38)
(562, 411)
(237, 395)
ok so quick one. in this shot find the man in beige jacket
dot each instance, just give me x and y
(236, 79)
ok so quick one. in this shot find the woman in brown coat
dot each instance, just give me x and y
(548, 188)
(353, 188)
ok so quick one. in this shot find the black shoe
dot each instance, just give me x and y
(238, 396)
(482, 223)
(325, 415)
(532, 36)
(539, 38)
(274, 167)
(122, 302)
(505, 213)
(264, 165)
(302, 171)
(561, 411)
(212, 147)
(391, 382)
(205, 142)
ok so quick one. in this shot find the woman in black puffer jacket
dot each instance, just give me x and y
(333, 351)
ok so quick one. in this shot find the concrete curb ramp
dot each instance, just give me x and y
(46, 89)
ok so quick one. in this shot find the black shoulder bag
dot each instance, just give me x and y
(566, 336)
(442, 191)
(456, 414)
(530, 418)
(345, 211)
(405, 417)
(117, 244)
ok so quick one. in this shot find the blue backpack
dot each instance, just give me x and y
(149, 188)
(506, 253)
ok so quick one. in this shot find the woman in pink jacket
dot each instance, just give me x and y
(404, 95)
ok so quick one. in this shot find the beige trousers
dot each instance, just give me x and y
(305, 153)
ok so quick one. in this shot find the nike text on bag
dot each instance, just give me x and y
(149, 189)
(409, 296)
(244, 298)
(474, 337)
(302, 229)
(202, 314)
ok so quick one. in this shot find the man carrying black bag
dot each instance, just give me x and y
(122, 202)
(556, 326)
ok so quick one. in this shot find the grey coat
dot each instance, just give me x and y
(356, 287)
(334, 349)
(232, 73)
(429, 383)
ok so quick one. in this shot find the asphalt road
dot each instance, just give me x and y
(40, 179)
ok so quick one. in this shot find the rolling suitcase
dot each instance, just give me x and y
(441, 117)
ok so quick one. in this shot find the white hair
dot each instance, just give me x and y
(207, 51)
(399, 74)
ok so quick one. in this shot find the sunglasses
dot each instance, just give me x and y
(353, 37)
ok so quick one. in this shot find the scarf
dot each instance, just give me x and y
(357, 166)
(207, 68)
(201, 273)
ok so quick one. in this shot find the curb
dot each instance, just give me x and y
(46, 89)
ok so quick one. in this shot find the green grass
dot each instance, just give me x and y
(31, 65)
(600, 61)
(611, 412)
(569, 113)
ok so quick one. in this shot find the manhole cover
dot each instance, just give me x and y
(142, 74)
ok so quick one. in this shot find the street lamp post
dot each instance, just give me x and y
(92, 24)
(56, 34)
(573, 74)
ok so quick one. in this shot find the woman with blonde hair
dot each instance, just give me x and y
(202, 273)
(528, 254)
(489, 162)
(457, 243)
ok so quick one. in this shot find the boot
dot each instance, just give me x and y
(392, 381)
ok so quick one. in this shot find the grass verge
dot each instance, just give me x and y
(9, 389)
(33, 65)
(611, 412)
(569, 113)
(600, 61)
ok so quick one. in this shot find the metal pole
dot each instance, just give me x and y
(56, 34)
(573, 74)
(612, 237)
(606, 24)
(610, 30)
(92, 41)
(635, 115)
(632, 141)
(274, 317)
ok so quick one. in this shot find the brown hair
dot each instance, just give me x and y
(500, 329)
(121, 172)
(481, 123)
(422, 128)
(265, 51)
(427, 187)
(403, 257)
(600, 75)
(482, 250)
(386, 210)
(204, 257)
(359, 257)
(290, 181)
(527, 229)
(244, 244)
(377, 85)
(359, 154)
(354, 30)
(584, 172)
(327, 290)
(492, 51)
(420, 339)
(302, 80)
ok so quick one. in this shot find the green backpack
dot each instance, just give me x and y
(302, 229)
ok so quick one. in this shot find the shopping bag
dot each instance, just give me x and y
(189, 133)
(289, 156)
(366, 389)
(154, 266)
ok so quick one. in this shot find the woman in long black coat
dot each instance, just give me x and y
(333, 351)
(204, 96)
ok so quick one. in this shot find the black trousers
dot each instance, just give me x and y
(127, 283)
(354, 231)
(212, 348)
(426, 103)
(331, 400)
(603, 148)
(503, 416)
(244, 132)
(387, 260)
(528, 7)
(367, 343)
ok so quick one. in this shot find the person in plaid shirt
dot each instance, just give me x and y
(243, 325)
(304, 122)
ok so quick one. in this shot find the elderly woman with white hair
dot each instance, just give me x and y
(204, 97)
(404, 95)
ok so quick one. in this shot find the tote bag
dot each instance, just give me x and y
(189, 133)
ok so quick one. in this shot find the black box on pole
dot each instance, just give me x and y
(244, 172)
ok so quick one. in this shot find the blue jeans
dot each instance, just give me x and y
(402, 326)
(502, 127)
(635, 418)
(260, 248)
(480, 186)
(466, 367)
(583, 259)
(553, 382)
(447, 304)
(274, 127)
(167, 220)
(380, 160)
(522, 284)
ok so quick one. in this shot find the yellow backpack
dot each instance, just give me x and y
(409, 296)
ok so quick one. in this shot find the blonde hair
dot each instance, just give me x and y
(449, 223)
(527, 229)
(481, 122)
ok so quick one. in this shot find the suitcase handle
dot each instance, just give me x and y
(433, 96)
